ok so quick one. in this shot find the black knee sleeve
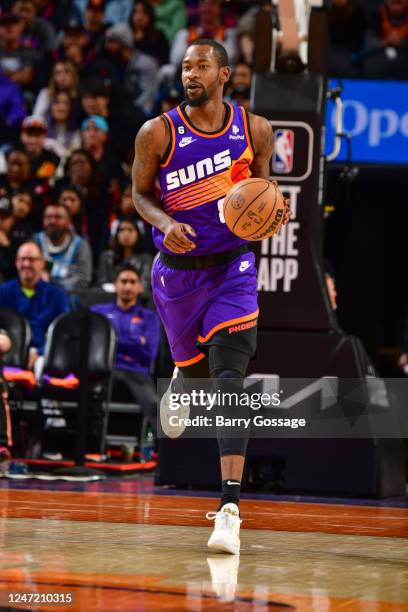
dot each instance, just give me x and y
(232, 440)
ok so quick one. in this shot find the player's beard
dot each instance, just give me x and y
(197, 100)
(202, 98)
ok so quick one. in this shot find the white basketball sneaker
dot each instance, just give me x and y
(225, 536)
(182, 412)
(224, 576)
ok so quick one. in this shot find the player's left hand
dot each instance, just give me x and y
(288, 212)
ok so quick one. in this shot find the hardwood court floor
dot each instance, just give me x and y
(123, 551)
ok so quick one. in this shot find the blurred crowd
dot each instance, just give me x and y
(79, 77)
(368, 40)
(77, 80)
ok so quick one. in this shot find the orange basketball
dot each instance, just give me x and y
(254, 209)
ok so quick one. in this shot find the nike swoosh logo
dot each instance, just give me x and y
(233, 482)
(244, 266)
(184, 144)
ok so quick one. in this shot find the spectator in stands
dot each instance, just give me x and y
(246, 33)
(169, 100)
(95, 134)
(115, 105)
(126, 248)
(146, 38)
(95, 139)
(116, 11)
(38, 301)
(246, 47)
(239, 85)
(15, 229)
(387, 42)
(58, 12)
(18, 175)
(94, 24)
(71, 198)
(44, 163)
(242, 96)
(171, 16)
(390, 22)
(210, 26)
(241, 76)
(138, 335)
(346, 37)
(68, 256)
(75, 46)
(81, 172)
(122, 65)
(12, 110)
(16, 61)
(62, 125)
(64, 77)
(125, 209)
(95, 99)
(38, 34)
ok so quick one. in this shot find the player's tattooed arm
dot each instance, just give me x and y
(149, 148)
(263, 140)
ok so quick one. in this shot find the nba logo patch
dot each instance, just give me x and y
(282, 159)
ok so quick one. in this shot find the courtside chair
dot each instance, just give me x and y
(20, 381)
(78, 340)
(19, 331)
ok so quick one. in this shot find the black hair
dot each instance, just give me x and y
(17, 148)
(69, 187)
(151, 34)
(25, 191)
(94, 88)
(126, 267)
(83, 152)
(117, 248)
(149, 11)
(219, 50)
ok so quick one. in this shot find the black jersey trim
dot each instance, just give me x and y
(251, 142)
(196, 129)
(169, 147)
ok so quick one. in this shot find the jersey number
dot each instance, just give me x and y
(220, 205)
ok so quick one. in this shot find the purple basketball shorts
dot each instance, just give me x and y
(194, 304)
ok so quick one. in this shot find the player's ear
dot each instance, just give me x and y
(225, 74)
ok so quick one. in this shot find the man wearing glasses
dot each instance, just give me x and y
(38, 301)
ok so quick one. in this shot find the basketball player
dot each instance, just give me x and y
(204, 282)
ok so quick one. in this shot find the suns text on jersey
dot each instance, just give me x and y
(193, 172)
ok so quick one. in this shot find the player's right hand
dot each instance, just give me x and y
(175, 238)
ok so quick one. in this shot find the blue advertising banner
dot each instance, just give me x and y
(376, 119)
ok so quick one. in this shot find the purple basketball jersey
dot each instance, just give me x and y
(199, 170)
